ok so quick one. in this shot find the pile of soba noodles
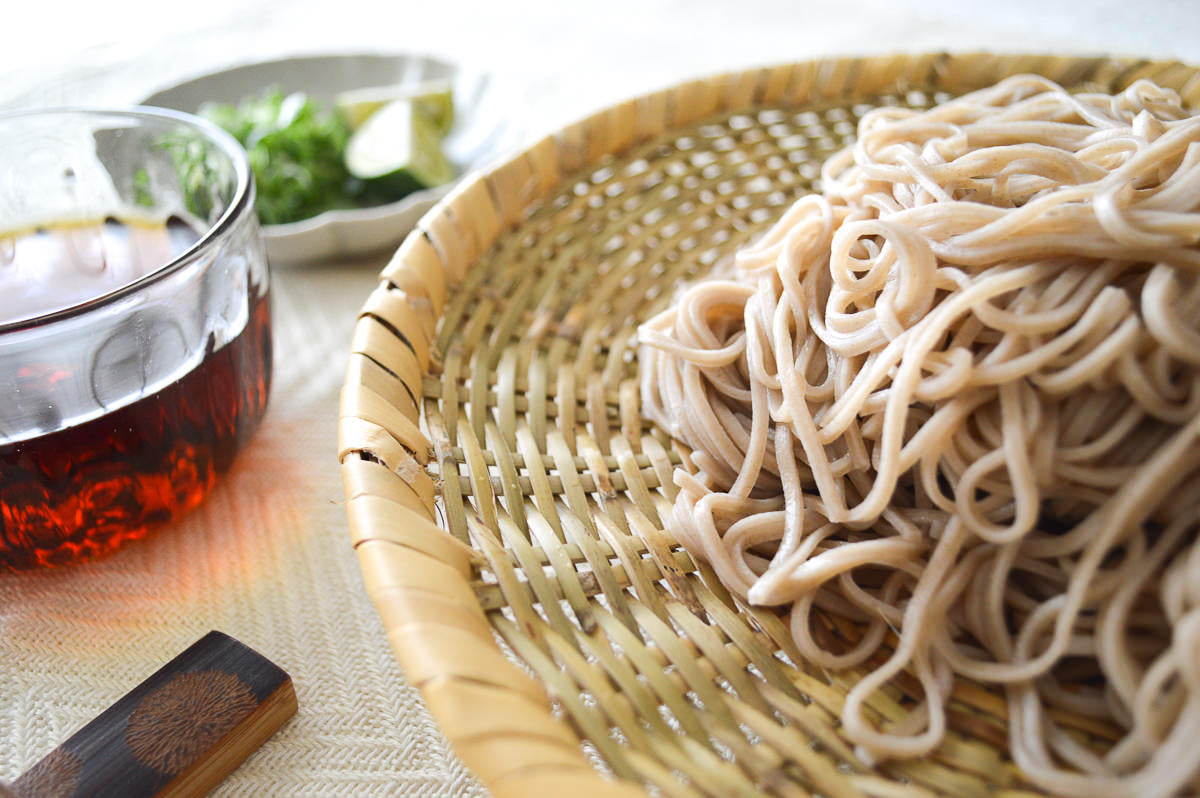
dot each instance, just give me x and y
(956, 396)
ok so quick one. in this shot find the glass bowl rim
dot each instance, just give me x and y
(241, 202)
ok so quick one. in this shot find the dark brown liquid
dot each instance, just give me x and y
(81, 492)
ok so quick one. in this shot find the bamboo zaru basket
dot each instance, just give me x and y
(507, 499)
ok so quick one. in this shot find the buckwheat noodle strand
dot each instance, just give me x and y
(957, 395)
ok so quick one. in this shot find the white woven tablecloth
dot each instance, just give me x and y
(266, 558)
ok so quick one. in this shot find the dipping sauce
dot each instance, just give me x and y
(161, 406)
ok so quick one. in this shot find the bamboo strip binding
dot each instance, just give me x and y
(502, 486)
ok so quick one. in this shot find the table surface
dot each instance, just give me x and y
(266, 558)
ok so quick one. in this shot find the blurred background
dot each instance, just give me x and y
(563, 59)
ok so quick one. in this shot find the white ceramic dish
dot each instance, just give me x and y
(485, 128)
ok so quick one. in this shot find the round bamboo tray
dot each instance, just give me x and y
(506, 498)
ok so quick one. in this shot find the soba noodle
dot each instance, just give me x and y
(957, 396)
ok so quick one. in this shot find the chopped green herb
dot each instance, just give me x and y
(142, 195)
(199, 175)
(297, 151)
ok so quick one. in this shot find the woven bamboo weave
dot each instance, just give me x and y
(506, 497)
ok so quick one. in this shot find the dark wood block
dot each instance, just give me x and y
(179, 733)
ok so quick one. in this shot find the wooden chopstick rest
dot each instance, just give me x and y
(179, 733)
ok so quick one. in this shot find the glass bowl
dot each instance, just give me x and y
(135, 343)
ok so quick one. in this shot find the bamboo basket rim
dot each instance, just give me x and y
(419, 575)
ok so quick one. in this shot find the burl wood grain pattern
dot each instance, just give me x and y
(178, 733)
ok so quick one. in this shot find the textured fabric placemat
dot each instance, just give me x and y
(266, 558)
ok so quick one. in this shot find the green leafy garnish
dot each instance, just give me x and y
(200, 175)
(295, 150)
(142, 194)
(299, 152)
